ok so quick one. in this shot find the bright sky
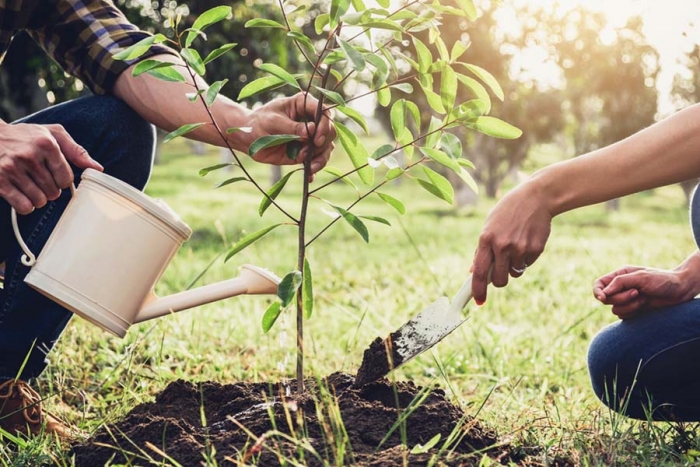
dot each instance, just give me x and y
(664, 24)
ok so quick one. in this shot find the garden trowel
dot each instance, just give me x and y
(419, 334)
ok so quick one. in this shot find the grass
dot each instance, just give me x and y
(519, 360)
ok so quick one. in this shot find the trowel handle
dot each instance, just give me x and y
(462, 298)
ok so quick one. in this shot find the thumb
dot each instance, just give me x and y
(75, 153)
(304, 129)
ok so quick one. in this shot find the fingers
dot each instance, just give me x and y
(72, 152)
(483, 259)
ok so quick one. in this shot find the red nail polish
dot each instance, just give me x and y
(478, 302)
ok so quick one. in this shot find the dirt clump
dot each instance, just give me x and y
(333, 423)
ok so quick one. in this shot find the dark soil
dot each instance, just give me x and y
(260, 424)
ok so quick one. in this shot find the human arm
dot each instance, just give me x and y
(517, 228)
(166, 105)
(631, 289)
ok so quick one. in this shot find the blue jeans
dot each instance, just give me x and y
(648, 367)
(118, 138)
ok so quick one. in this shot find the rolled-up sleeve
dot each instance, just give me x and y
(83, 37)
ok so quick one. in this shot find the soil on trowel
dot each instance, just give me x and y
(376, 361)
(263, 424)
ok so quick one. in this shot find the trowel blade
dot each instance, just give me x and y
(416, 336)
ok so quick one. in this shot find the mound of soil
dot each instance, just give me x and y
(263, 424)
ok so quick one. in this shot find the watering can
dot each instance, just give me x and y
(109, 249)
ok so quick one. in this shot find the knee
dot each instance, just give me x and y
(136, 138)
(612, 377)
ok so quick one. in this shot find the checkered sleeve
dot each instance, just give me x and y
(84, 35)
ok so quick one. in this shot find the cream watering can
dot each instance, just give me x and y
(109, 249)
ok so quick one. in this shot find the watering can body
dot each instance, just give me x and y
(110, 248)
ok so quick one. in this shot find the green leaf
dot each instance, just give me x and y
(242, 129)
(398, 118)
(425, 58)
(193, 59)
(192, 96)
(381, 220)
(466, 163)
(383, 151)
(434, 100)
(495, 127)
(264, 23)
(352, 54)
(424, 448)
(288, 287)
(270, 141)
(358, 5)
(274, 192)
(232, 180)
(147, 65)
(469, 111)
(468, 179)
(332, 96)
(414, 112)
(357, 152)
(458, 49)
(320, 22)
(339, 174)
(477, 88)
(259, 85)
(167, 74)
(338, 9)
(437, 185)
(487, 78)
(468, 7)
(271, 314)
(281, 73)
(393, 202)
(355, 116)
(381, 70)
(403, 87)
(441, 158)
(293, 149)
(384, 3)
(354, 221)
(389, 58)
(303, 40)
(206, 19)
(382, 24)
(384, 96)
(448, 87)
(140, 48)
(451, 145)
(203, 172)
(213, 91)
(433, 133)
(307, 291)
(249, 240)
(184, 129)
(218, 52)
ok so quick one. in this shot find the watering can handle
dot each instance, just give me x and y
(28, 258)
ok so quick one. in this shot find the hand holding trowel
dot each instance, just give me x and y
(419, 334)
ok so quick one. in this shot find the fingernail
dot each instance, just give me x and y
(478, 302)
(321, 140)
(315, 167)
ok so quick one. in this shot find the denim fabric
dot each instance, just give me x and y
(118, 138)
(648, 367)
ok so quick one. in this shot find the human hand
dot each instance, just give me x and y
(631, 289)
(513, 237)
(288, 115)
(34, 164)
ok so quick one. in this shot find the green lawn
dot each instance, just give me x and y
(522, 356)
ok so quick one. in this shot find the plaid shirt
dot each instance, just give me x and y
(81, 35)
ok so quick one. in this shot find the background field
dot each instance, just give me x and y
(520, 361)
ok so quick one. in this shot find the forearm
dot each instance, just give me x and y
(166, 105)
(689, 272)
(664, 153)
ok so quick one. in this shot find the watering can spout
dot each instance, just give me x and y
(252, 280)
